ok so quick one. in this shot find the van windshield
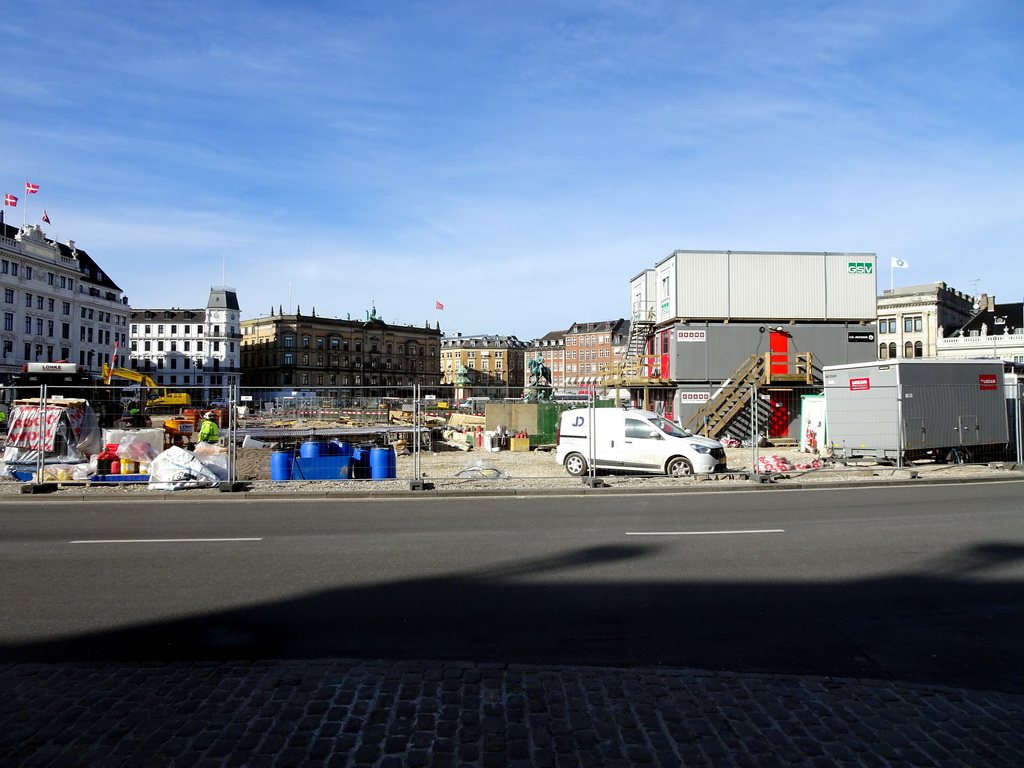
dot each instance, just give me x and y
(669, 428)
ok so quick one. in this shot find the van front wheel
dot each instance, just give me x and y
(575, 464)
(680, 467)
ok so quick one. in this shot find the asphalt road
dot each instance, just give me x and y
(921, 584)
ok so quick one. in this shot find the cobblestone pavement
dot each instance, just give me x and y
(380, 713)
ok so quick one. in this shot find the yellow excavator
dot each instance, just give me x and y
(157, 396)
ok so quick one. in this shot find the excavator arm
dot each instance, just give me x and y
(127, 373)
(158, 396)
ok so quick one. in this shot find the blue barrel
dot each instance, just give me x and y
(360, 467)
(281, 465)
(313, 450)
(339, 448)
(382, 463)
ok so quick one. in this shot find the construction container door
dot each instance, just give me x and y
(968, 429)
(778, 345)
(780, 414)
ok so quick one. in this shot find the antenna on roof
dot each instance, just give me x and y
(974, 293)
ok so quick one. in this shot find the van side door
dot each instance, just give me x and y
(640, 449)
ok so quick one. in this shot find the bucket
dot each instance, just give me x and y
(382, 463)
(281, 465)
(313, 450)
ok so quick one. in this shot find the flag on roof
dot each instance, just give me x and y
(899, 264)
(31, 189)
(10, 200)
(45, 217)
(438, 305)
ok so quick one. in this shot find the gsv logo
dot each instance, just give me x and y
(861, 268)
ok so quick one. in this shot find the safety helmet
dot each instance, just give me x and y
(208, 415)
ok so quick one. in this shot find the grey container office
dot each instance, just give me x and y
(906, 409)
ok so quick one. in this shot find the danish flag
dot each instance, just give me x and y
(31, 189)
(10, 200)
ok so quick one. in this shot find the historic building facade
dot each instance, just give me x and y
(57, 304)
(912, 320)
(484, 366)
(593, 352)
(338, 358)
(192, 350)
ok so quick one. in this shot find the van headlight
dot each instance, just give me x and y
(700, 448)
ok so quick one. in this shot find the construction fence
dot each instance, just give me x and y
(405, 435)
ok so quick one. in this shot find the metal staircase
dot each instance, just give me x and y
(635, 357)
(732, 399)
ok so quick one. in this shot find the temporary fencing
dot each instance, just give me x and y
(417, 437)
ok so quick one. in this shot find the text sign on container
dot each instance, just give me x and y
(693, 397)
(987, 381)
(857, 385)
(695, 335)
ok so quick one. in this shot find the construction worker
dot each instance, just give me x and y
(209, 432)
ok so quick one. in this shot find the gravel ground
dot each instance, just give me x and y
(512, 471)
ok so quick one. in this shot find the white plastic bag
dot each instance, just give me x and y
(176, 469)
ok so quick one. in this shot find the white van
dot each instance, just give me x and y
(634, 441)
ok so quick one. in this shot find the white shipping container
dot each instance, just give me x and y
(752, 285)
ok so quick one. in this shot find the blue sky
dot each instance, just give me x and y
(518, 162)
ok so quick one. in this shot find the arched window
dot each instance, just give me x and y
(918, 349)
(908, 349)
(883, 351)
(892, 349)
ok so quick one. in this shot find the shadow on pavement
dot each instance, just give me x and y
(956, 625)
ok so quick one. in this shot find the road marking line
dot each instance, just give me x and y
(698, 533)
(152, 541)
